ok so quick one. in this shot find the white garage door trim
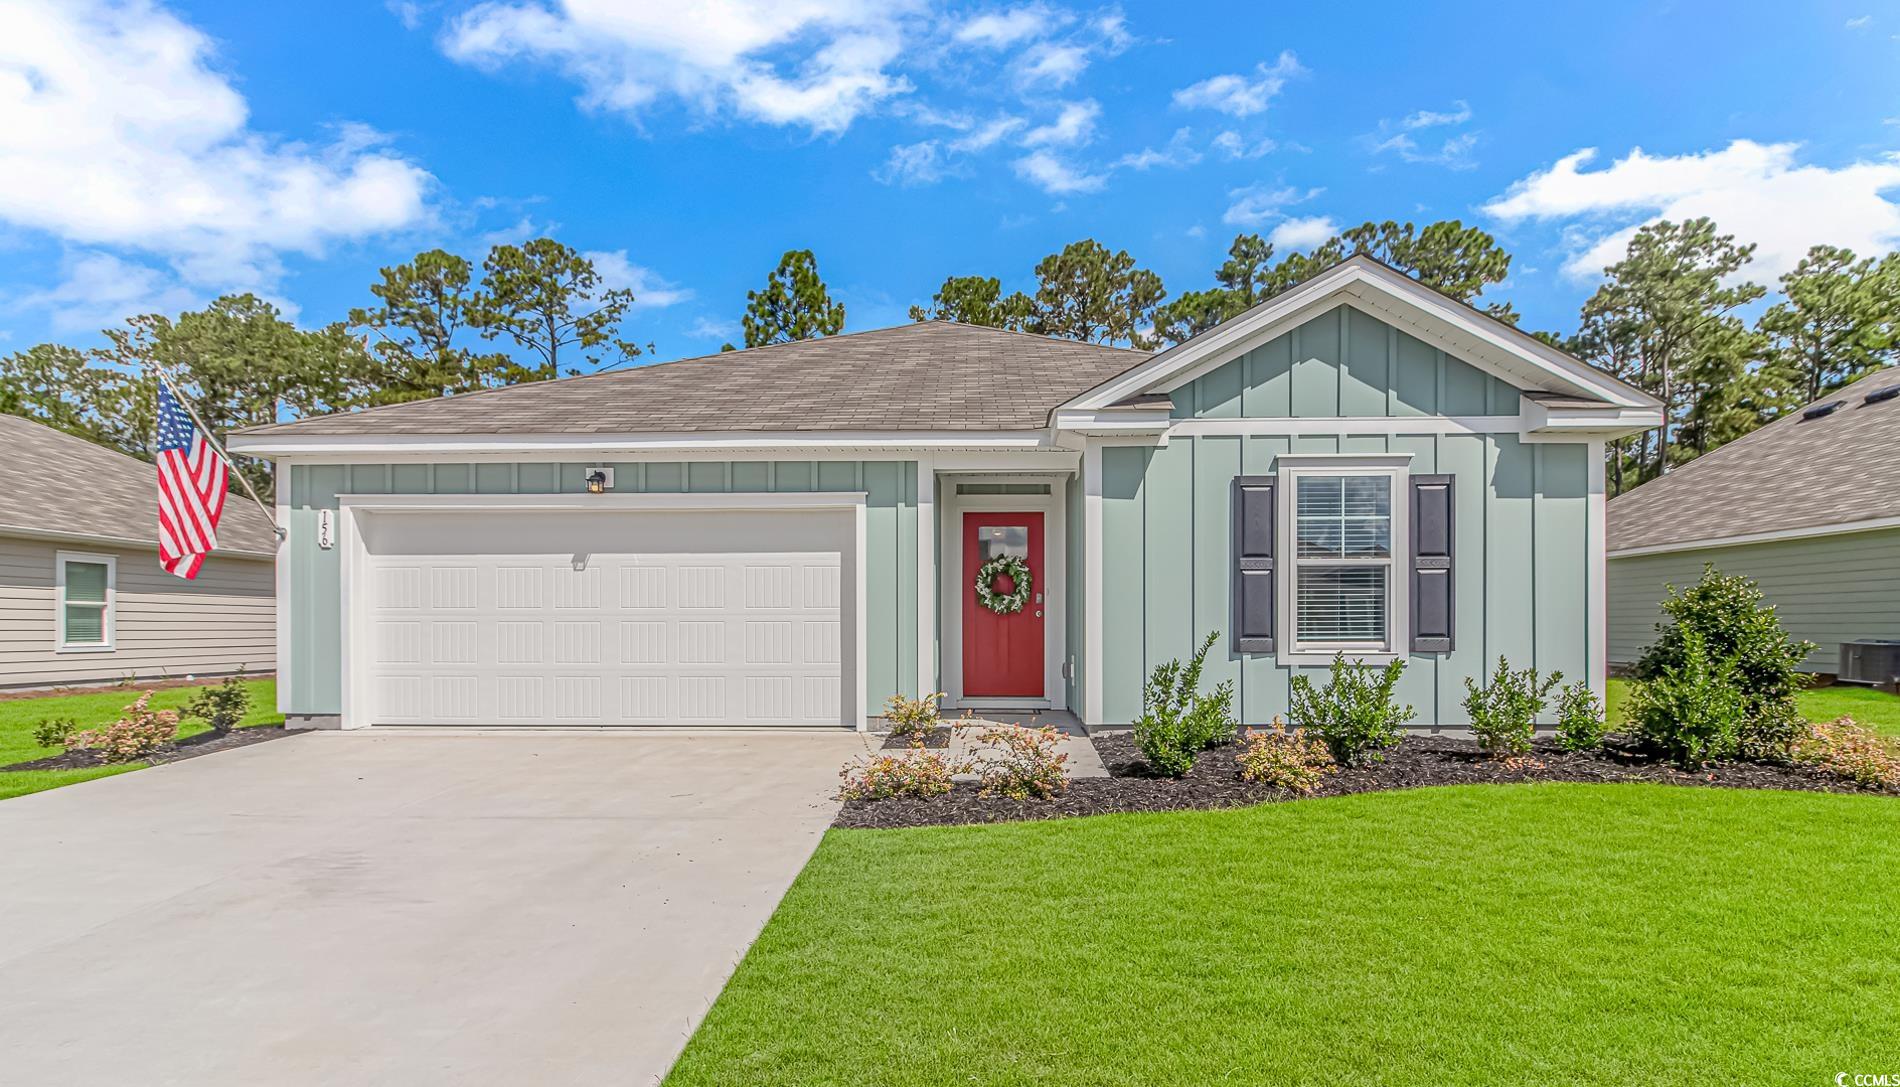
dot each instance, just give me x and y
(356, 588)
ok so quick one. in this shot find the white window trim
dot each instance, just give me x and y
(110, 620)
(1287, 471)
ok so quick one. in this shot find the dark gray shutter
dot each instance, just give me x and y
(1253, 564)
(1431, 564)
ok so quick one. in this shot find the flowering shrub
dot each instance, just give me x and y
(137, 735)
(1504, 712)
(1355, 713)
(1580, 724)
(1282, 759)
(916, 772)
(1848, 750)
(913, 716)
(1020, 763)
(55, 731)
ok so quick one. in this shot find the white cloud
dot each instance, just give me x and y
(1074, 125)
(1459, 113)
(1256, 205)
(1051, 65)
(912, 164)
(711, 328)
(407, 12)
(1239, 95)
(98, 290)
(1233, 146)
(1303, 233)
(1056, 177)
(1000, 29)
(1860, 22)
(1178, 153)
(1757, 192)
(116, 133)
(987, 135)
(714, 55)
(1452, 152)
(650, 289)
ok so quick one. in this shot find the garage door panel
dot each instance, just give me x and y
(686, 638)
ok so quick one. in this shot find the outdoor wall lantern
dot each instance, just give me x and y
(600, 480)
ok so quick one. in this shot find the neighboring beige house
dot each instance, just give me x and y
(82, 597)
(1808, 506)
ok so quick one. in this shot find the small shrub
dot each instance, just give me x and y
(1285, 760)
(1177, 721)
(916, 772)
(222, 706)
(913, 716)
(1504, 711)
(1727, 613)
(1354, 714)
(137, 735)
(1692, 711)
(55, 731)
(1580, 725)
(1021, 763)
(1849, 751)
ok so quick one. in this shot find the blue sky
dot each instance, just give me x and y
(154, 155)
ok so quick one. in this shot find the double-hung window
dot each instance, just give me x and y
(1345, 587)
(84, 595)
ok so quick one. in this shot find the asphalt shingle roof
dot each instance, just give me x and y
(52, 482)
(929, 375)
(1793, 473)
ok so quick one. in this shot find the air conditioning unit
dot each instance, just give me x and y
(1870, 660)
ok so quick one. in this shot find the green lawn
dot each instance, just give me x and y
(92, 710)
(1875, 709)
(1575, 934)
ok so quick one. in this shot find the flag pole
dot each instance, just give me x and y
(211, 440)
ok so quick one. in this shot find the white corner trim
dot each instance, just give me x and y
(281, 571)
(927, 679)
(860, 560)
(1598, 584)
(1381, 292)
(1804, 533)
(1092, 584)
(108, 620)
(1107, 421)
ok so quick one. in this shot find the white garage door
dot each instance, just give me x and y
(716, 628)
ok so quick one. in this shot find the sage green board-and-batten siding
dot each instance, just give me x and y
(1828, 590)
(316, 685)
(1522, 517)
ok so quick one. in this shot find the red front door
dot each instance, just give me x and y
(1002, 654)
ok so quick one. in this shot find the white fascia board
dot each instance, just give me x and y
(1393, 297)
(670, 500)
(1807, 532)
(591, 445)
(1117, 421)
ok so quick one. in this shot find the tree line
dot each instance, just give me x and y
(1668, 318)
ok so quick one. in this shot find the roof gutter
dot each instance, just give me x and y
(586, 444)
(119, 541)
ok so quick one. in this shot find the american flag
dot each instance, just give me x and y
(191, 487)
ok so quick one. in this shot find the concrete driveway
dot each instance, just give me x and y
(398, 908)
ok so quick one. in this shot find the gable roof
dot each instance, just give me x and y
(924, 376)
(1396, 298)
(1834, 472)
(53, 484)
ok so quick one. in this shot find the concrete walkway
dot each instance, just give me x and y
(398, 908)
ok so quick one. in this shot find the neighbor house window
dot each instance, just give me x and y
(84, 596)
(1344, 586)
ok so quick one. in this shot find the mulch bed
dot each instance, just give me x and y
(937, 738)
(204, 743)
(1214, 783)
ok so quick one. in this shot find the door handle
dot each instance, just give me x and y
(1038, 613)
(1038, 598)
